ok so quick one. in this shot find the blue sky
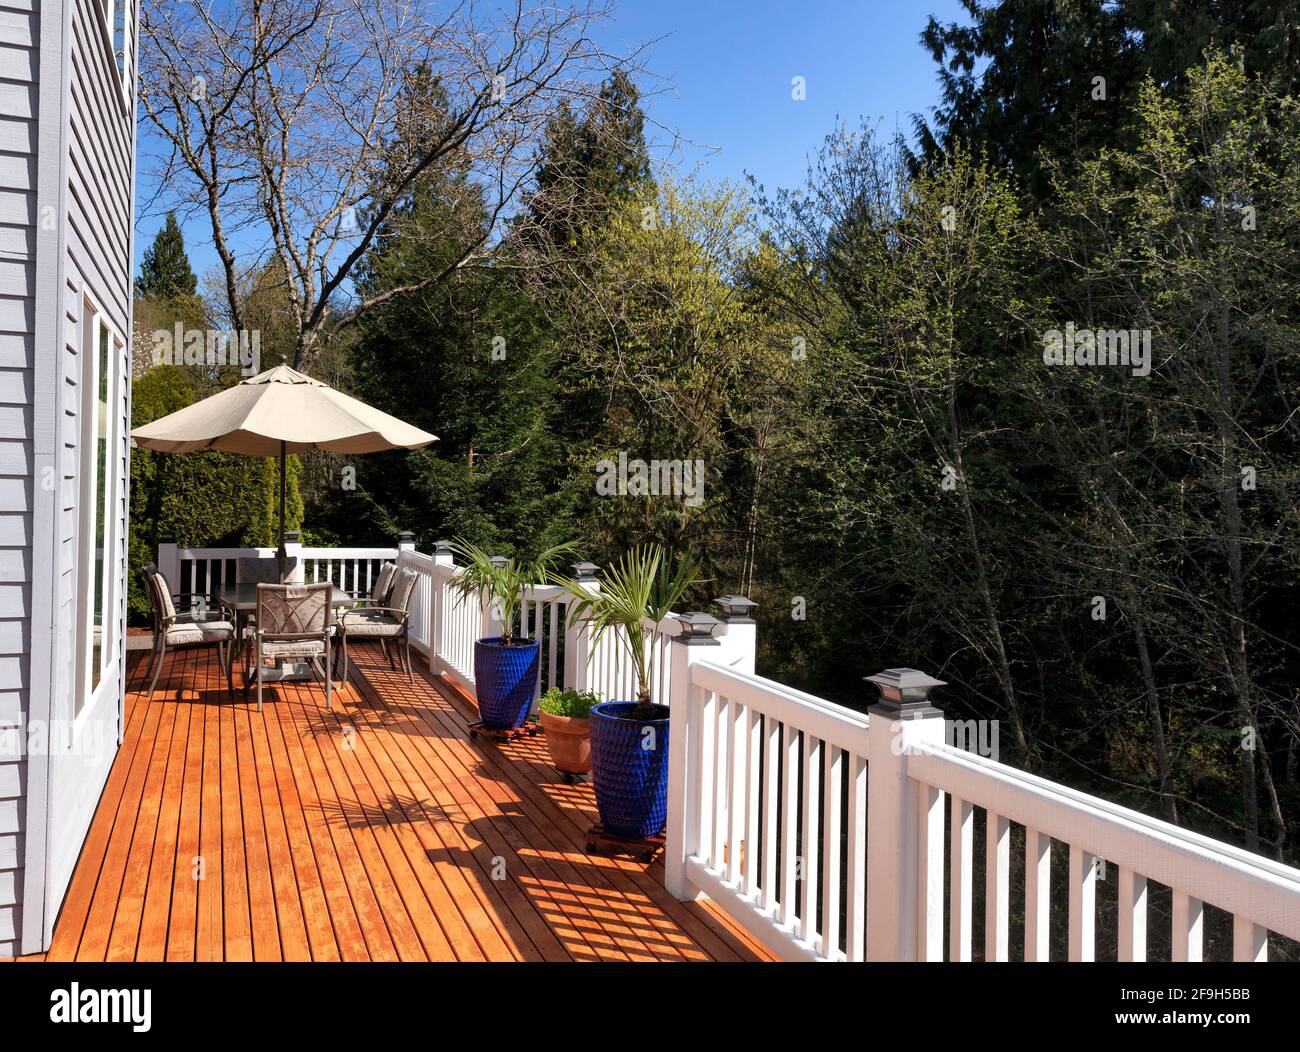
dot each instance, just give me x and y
(730, 64)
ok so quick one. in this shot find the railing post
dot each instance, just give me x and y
(169, 564)
(405, 542)
(739, 635)
(683, 830)
(902, 718)
(442, 557)
(293, 557)
(577, 634)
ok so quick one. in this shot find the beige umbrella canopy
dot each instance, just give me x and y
(277, 412)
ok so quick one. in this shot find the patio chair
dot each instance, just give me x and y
(293, 623)
(192, 627)
(386, 623)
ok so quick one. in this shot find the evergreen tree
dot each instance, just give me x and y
(165, 272)
(589, 162)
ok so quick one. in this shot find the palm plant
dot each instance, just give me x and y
(503, 583)
(643, 586)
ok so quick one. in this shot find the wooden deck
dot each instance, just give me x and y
(374, 830)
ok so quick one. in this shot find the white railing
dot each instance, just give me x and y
(421, 610)
(1101, 837)
(761, 775)
(543, 615)
(785, 808)
(352, 569)
(204, 570)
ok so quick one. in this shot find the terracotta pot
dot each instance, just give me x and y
(569, 741)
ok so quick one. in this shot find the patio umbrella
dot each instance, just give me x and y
(274, 413)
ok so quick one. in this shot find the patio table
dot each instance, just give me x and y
(242, 598)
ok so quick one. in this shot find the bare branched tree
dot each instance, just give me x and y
(286, 123)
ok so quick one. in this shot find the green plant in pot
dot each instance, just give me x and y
(629, 738)
(505, 666)
(564, 715)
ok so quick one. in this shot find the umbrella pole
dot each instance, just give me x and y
(281, 553)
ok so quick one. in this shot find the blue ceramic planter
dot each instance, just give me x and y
(505, 680)
(629, 769)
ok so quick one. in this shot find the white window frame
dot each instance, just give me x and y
(90, 694)
(124, 57)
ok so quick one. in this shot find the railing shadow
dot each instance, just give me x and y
(395, 809)
(572, 894)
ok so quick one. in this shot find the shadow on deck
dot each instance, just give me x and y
(373, 830)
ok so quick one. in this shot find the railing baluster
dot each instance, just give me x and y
(1187, 924)
(833, 761)
(771, 809)
(1038, 891)
(962, 851)
(707, 799)
(1132, 915)
(997, 885)
(721, 747)
(738, 795)
(812, 757)
(1083, 904)
(753, 788)
(1249, 940)
(929, 924)
(552, 677)
(789, 823)
(538, 607)
(856, 892)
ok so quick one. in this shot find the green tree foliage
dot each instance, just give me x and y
(1024, 80)
(662, 332)
(1193, 236)
(1104, 570)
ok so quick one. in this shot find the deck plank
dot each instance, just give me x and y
(182, 920)
(270, 815)
(374, 829)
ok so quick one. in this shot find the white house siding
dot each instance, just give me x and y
(18, 110)
(66, 201)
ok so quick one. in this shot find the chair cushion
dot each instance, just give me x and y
(370, 623)
(292, 648)
(162, 595)
(199, 632)
(383, 584)
(402, 589)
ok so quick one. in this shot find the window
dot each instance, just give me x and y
(103, 469)
(117, 20)
(97, 548)
(121, 38)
